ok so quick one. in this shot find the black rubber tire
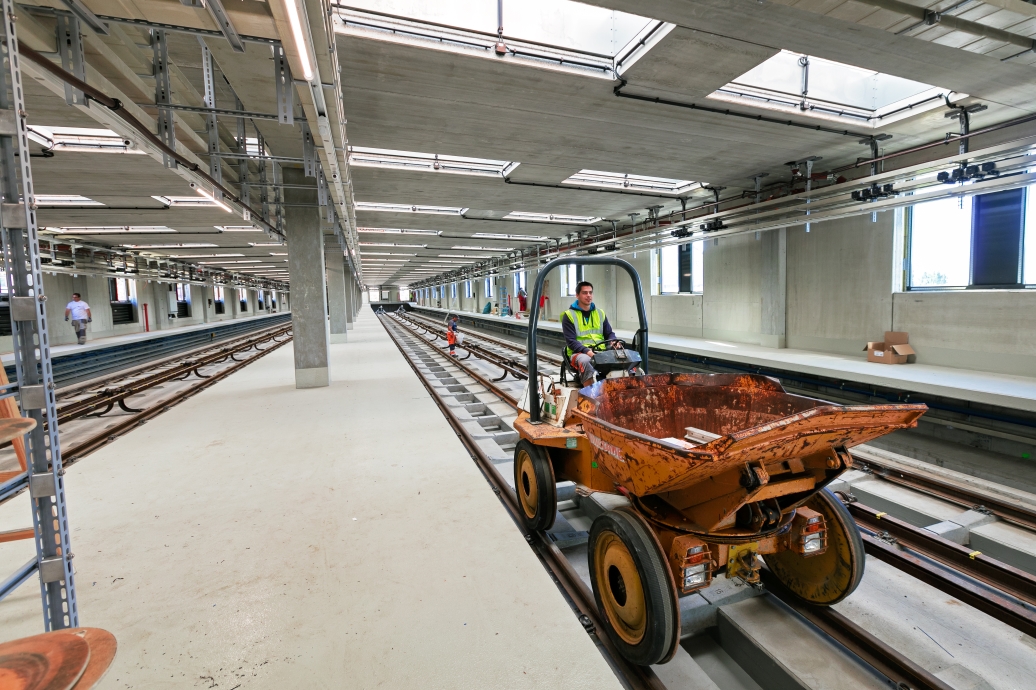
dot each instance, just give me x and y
(660, 633)
(534, 483)
(829, 578)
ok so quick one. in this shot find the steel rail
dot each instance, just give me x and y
(1018, 583)
(77, 451)
(582, 599)
(1012, 589)
(900, 669)
(419, 318)
(113, 377)
(1016, 513)
(109, 397)
(509, 365)
(884, 658)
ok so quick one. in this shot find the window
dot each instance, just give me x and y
(122, 294)
(243, 297)
(976, 242)
(570, 277)
(677, 269)
(261, 299)
(121, 289)
(372, 295)
(217, 298)
(489, 287)
(467, 289)
(3, 282)
(453, 291)
(183, 301)
(982, 241)
(519, 281)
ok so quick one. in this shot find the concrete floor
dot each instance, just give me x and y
(260, 536)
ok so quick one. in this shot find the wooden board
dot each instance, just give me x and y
(15, 428)
(51, 661)
(102, 652)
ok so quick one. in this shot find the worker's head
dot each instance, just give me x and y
(75, 296)
(585, 294)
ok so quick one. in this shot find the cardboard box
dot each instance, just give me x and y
(895, 349)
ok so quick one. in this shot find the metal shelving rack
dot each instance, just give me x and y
(35, 380)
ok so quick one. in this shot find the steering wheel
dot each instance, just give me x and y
(600, 345)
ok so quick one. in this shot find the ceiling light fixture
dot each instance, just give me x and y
(80, 139)
(399, 231)
(65, 200)
(404, 208)
(626, 181)
(187, 201)
(551, 218)
(186, 245)
(200, 256)
(483, 249)
(265, 244)
(237, 228)
(109, 230)
(504, 236)
(429, 162)
(299, 36)
(392, 244)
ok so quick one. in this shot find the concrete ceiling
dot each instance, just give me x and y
(403, 96)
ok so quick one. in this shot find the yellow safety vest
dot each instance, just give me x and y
(588, 331)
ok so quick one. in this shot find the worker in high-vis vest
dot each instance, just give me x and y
(584, 326)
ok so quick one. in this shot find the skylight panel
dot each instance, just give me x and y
(80, 139)
(65, 200)
(551, 218)
(633, 183)
(403, 208)
(399, 231)
(428, 162)
(812, 86)
(571, 25)
(109, 229)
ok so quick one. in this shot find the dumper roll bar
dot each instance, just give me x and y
(641, 336)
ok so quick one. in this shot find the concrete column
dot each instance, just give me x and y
(350, 298)
(334, 268)
(308, 286)
(773, 286)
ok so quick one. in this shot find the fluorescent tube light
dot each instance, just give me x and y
(301, 44)
(65, 200)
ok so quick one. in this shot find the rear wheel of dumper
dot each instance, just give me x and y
(534, 484)
(829, 577)
(633, 587)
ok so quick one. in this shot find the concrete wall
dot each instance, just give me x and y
(151, 299)
(841, 292)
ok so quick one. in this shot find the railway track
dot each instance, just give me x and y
(141, 393)
(497, 367)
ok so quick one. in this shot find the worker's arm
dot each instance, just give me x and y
(67, 312)
(89, 315)
(609, 334)
(569, 329)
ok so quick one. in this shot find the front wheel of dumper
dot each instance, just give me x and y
(534, 484)
(633, 587)
(831, 576)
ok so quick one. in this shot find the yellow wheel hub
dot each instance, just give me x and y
(621, 590)
(528, 494)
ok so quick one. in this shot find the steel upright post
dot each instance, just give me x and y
(31, 342)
